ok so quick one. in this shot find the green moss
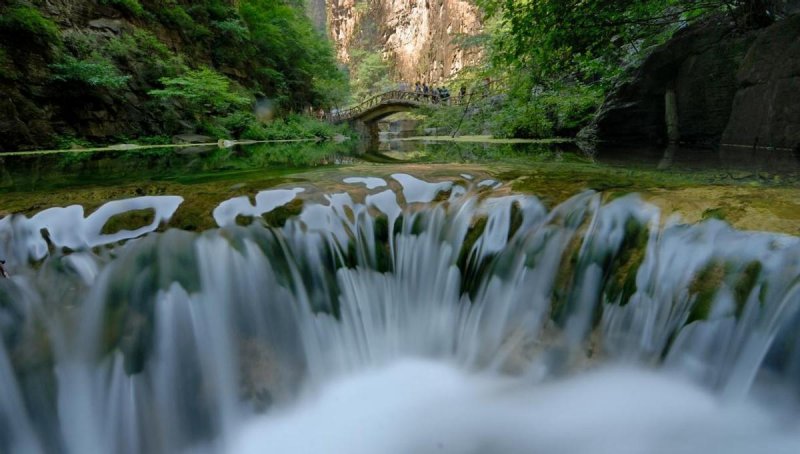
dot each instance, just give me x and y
(622, 270)
(516, 220)
(745, 282)
(419, 224)
(708, 281)
(279, 216)
(715, 213)
(471, 269)
(383, 262)
(130, 220)
(704, 287)
(564, 280)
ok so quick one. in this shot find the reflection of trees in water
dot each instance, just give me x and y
(30, 172)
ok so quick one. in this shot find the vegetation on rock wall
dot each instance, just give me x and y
(558, 58)
(369, 74)
(104, 70)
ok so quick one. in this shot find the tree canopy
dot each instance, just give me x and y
(591, 38)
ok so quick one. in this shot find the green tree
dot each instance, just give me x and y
(369, 74)
(95, 71)
(201, 91)
(298, 67)
(590, 38)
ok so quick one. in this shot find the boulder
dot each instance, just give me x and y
(113, 26)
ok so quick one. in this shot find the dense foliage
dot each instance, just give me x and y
(94, 72)
(369, 74)
(591, 39)
(203, 91)
(557, 58)
(187, 62)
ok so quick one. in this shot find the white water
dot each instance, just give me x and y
(433, 407)
(177, 342)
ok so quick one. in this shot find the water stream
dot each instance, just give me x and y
(414, 317)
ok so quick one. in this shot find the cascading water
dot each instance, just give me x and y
(415, 317)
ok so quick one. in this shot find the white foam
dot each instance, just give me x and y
(415, 406)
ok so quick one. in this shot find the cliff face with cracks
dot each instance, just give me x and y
(417, 37)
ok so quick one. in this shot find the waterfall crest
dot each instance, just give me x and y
(170, 341)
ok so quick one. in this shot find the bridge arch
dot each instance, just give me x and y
(382, 105)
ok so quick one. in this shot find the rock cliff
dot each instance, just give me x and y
(417, 37)
(734, 88)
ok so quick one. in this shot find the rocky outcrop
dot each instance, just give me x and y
(342, 20)
(417, 37)
(732, 87)
(37, 110)
(766, 108)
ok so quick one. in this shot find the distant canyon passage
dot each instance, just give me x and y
(417, 37)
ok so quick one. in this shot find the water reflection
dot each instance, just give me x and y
(30, 173)
(23, 238)
(688, 159)
(465, 152)
(266, 201)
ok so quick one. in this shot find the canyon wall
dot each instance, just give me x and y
(417, 37)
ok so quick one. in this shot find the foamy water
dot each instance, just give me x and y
(408, 317)
(416, 406)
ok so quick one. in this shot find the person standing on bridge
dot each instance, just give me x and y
(444, 93)
(417, 88)
(425, 89)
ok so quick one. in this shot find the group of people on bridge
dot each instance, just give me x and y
(437, 94)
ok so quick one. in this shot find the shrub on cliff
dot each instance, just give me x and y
(202, 92)
(26, 22)
(131, 6)
(95, 71)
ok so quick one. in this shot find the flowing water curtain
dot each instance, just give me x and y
(171, 340)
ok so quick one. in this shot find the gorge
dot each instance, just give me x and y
(585, 239)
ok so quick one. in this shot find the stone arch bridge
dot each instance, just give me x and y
(365, 116)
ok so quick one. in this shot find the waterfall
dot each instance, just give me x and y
(153, 340)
